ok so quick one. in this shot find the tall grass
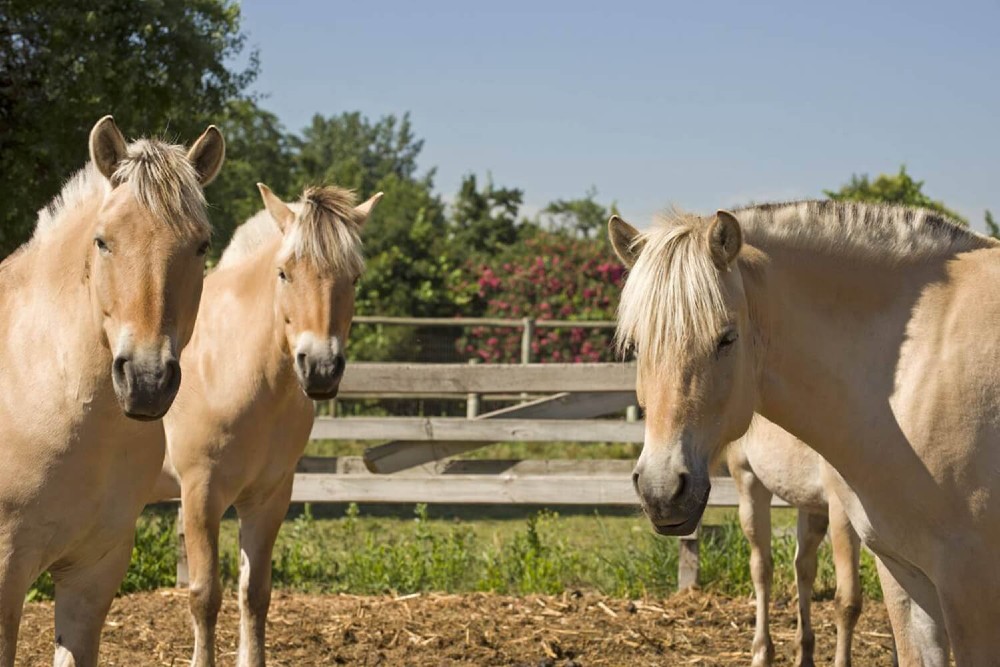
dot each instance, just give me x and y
(543, 553)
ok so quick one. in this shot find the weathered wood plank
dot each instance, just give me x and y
(461, 430)
(401, 455)
(487, 378)
(554, 467)
(503, 489)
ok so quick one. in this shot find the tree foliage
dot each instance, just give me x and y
(584, 216)
(891, 189)
(159, 66)
(484, 220)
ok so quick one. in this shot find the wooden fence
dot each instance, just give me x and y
(579, 403)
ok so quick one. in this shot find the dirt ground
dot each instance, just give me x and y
(572, 629)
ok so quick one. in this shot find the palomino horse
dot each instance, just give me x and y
(769, 461)
(869, 333)
(105, 294)
(270, 338)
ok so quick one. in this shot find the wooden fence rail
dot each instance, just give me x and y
(416, 465)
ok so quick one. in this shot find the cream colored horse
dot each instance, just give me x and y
(95, 310)
(270, 338)
(770, 461)
(868, 332)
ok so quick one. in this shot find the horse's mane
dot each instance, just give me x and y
(326, 231)
(673, 295)
(159, 175)
(879, 232)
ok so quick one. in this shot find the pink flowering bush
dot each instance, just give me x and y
(549, 276)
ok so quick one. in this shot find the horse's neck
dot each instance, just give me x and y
(831, 332)
(50, 316)
(250, 321)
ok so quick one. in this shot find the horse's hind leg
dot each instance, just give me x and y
(202, 516)
(755, 519)
(847, 563)
(83, 596)
(811, 531)
(260, 520)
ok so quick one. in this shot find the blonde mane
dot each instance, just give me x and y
(673, 295)
(159, 175)
(326, 231)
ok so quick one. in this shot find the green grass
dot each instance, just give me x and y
(542, 552)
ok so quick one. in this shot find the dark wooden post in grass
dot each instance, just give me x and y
(687, 562)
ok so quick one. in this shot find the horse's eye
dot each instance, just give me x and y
(203, 249)
(282, 276)
(727, 339)
(102, 246)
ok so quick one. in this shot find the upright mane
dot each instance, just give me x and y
(879, 232)
(159, 175)
(326, 231)
(673, 295)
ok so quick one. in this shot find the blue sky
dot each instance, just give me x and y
(698, 104)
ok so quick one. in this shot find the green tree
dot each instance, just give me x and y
(992, 228)
(63, 65)
(483, 221)
(897, 189)
(257, 151)
(584, 217)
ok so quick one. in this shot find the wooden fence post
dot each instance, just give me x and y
(182, 559)
(527, 336)
(472, 399)
(687, 562)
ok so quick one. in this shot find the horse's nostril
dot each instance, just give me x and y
(300, 362)
(339, 364)
(681, 485)
(635, 481)
(118, 370)
(171, 374)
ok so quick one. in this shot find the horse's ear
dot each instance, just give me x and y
(725, 238)
(107, 146)
(365, 209)
(207, 154)
(623, 239)
(282, 215)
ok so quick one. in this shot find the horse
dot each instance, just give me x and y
(859, 329)
(270, 337)
(105, 295)
(768, 461)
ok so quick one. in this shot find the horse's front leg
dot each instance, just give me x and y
(202, 516)
(755, 519)
(15, 580)
(83, 597)
(847, 563)
(915, 614)
(260, 520)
